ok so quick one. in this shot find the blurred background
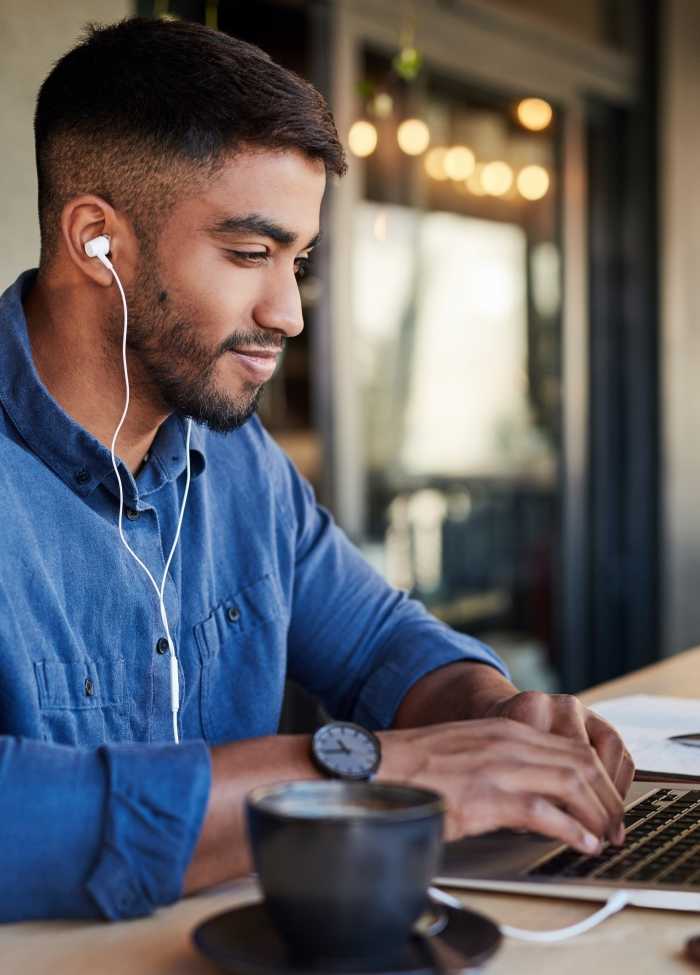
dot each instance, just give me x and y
(496, 391)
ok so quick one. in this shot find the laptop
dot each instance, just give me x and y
(658, 866)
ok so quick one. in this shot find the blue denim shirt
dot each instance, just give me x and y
(99, 810)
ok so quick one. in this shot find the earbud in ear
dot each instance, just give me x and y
(98, 246)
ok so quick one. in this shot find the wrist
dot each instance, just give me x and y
(486, 702)
(456, 692)
(398, 762)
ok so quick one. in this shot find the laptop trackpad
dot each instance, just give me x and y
(493, 855)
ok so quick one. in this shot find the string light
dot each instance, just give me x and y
(533, 182)
(497, 178)
(413, 136)
(459, 162)
(362, 138)
(534, 113)
(473, 183)
(435, 163)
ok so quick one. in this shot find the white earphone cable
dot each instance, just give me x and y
(614, 903)
(160, 590)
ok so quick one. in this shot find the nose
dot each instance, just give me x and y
(279, 308)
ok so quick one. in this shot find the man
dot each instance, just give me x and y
(204, 164)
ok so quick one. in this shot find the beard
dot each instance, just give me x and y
(177, 366)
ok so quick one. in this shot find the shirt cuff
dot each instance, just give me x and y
(156, 803)
(411, 656)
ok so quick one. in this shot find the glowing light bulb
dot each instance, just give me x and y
(383, 105)
(534, 113)
(459, 162)
(473, 183)
(413, 136)
(435, 163)
(533, 182)
(362, 138)
(497, 178)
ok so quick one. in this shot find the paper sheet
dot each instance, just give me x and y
(645, 722)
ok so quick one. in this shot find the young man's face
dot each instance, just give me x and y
(211, 308)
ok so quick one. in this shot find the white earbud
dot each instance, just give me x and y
(98, 247)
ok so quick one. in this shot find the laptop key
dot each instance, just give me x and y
(557, 863)
(662, 846)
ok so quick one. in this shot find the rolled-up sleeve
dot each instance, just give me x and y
(105, 832)
(354, 640)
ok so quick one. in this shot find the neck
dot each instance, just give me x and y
(82, 368)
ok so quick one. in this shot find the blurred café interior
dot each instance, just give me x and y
(494, 390)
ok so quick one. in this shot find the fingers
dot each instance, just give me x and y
(582, 763)
(611, 749)
(539, 815)
(625, 776)
(469, 761)
(501, 740)
(566, 717)
(526, 812)
(569, 717)
(565, 786)
(574, 777)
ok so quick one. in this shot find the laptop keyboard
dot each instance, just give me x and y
(662, 846)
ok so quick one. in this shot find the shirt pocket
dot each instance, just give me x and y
(243, 651)
(82, 701)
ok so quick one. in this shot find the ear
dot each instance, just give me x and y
(83, 218)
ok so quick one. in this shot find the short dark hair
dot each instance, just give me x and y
(142, 108)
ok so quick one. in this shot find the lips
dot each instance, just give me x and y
(258, 363)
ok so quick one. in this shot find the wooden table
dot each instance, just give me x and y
(637, 940)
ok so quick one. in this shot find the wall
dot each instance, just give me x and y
(680, 336)
(588, 20)
(33, 34)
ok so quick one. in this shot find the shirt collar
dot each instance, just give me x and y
(78, 458)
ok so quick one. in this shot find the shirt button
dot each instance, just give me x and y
(125, 900)
(233, 614)
(162, 645)
(89, 687)
(132, 514)
(82, 476)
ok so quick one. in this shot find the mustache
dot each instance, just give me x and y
(260, 339)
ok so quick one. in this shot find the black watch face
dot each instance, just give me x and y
(347, 750)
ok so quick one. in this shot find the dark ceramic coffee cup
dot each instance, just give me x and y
(344, 866)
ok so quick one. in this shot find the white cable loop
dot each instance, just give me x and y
(160, 590)
(614, 903)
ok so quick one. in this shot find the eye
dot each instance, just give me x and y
(249, 257)
(301, 266)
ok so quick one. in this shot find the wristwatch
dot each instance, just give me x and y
(342, 750)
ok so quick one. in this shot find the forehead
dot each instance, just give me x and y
(285, 188)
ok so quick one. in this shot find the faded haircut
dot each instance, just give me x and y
(144, 111)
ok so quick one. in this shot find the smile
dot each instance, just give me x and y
(258, 363)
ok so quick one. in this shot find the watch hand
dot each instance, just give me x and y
(336, 751)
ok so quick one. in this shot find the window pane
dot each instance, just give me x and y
(457, 298)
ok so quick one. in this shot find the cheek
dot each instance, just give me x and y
(216, 290)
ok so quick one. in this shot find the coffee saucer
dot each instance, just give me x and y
(244, 941)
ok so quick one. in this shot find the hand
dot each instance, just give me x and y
(564, 715)
(501, 773)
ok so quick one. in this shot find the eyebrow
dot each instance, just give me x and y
(255, 224)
